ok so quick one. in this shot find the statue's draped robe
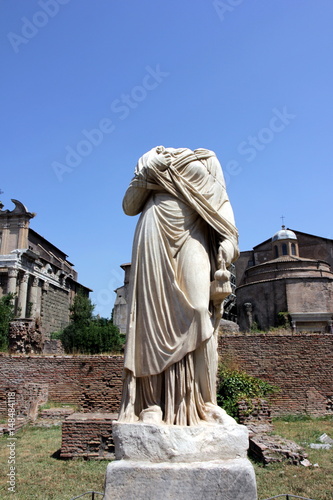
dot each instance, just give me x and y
(171, 355)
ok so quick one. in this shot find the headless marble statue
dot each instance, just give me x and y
(184, 241)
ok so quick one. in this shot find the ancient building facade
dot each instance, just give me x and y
(37, 272)
(288, 273)
(120, 305)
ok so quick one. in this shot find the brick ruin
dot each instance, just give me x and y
(300, 365)
(42, 279)
(88, 435)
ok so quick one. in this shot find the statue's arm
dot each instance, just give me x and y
(135, 198)
(137, 194)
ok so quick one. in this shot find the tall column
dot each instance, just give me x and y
(22, 240)
(23, 292)
(12, 278)
(33, 297)
(4, 243)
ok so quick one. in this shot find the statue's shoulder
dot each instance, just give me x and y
(204, 153)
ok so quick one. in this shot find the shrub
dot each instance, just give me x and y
(87, 334)
(6, 316)
(234, 385)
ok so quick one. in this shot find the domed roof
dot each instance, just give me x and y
(284, 234)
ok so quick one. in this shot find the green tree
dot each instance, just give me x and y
(81, 310)
(6, 316)
(87, 334)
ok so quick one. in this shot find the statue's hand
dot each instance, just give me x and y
(227, 252)
(220, 288)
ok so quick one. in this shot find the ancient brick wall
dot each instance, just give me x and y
(301, 365)
(92, 382)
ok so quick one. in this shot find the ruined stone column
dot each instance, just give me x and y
(248, 312)
(23, 292)
(12, 278)
(33, 297)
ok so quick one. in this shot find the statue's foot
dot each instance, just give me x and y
(127, 415)
(151, 415)
(214, 413)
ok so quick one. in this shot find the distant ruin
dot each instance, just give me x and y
(38, 273)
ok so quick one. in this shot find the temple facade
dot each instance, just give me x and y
(39, 275)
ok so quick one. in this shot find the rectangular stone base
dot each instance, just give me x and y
(88, 435)
(218, 479)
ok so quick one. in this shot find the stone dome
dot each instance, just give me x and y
(284, 234)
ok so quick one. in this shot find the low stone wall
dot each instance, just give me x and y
(88, 435)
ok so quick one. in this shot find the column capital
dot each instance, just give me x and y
(12, 273)
(35, 281)
(24, 277)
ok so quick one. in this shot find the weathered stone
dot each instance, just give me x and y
(324, 438)
(227, 326)
(25, 337)
(268, 449)
(176, 443)
(320, 446)
(53, 346)
(226, 480)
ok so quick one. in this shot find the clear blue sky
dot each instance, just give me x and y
(88, 86)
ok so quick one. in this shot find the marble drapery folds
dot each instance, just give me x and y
(185, 229)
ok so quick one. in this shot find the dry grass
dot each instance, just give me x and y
(40, 476)
(311, 482)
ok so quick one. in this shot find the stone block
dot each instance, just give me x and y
(180, 462)
(220, 479)
(175, 443)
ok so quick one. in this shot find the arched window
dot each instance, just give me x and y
(293, 249)
(276, 251)
(284, 249)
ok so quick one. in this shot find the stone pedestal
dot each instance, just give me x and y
(168, 462)
(223, 480)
